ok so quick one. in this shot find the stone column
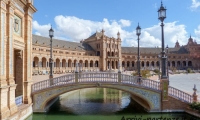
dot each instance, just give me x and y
(10, 60)
(4, 97)
(195, 94)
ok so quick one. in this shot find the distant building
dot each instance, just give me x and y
(100, 52)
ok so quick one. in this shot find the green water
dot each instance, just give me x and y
(102, 104)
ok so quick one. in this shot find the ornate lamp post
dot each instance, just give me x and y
(159, 65)
(161, 17)
(138, 32)
(186, 64)
(167, 62)
(51, 60)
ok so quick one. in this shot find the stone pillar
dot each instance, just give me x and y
(125, 65)
(195, 94)
(10, 60)
(119, 77)
(27, 33)
(4, 108)
(76, 77)
(164, 88)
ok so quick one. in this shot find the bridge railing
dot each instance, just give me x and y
(183, 96)
(70, 78)
(147, 83)
(97, 77)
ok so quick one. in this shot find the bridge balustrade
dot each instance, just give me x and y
(98, 77)
(67, 79)
(185, 97)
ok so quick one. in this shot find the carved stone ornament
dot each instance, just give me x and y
(16, 25)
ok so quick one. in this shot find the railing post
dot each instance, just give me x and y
(194, 94)
(119, 77)
(51, 81)
(76, 77)
(164, 88)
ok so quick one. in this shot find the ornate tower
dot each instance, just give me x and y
(177, 44)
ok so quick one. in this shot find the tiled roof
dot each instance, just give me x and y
(45, 41)
(143, 50)
(96, 34)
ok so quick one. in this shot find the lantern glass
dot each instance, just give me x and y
(138, 30)
(51, 32)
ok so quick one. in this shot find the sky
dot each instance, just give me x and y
(75, 20)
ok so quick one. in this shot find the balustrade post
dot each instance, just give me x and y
(119, 77)
(164, 89)
(76, 73)
(194, 94)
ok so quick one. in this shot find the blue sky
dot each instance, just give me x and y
(74, 20)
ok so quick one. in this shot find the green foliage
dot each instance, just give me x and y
(189, 70)
(144, 73)
(156, 71)
(173, 69)
(195, 106)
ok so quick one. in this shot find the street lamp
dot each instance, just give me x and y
(51, 60)
(167, 62)
(138, 32)
(159, 65)
(161, 17)
(186, 65)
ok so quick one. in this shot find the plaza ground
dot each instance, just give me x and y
(184, 82)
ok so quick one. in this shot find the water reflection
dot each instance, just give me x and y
(94, 101)
(101, 104)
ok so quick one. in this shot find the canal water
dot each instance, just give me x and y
(102, 104)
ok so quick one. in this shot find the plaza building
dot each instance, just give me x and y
(102, 53)
(15, 58)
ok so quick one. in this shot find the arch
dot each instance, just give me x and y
(128, 64)
(57, 63)
(151, 98)
(96, 63)
(74, 64)
(113, 54)
(69, 63)
(63, 63)
(190, 63)
(123, 64)
(108, 53)
(147, 63)
(91, 63)
(168, 64)
(173, 63)
(133, 63)
(152, 64)
(157, 63)
(178, 64)
(44, 61)
(142, 63)
(86, 63)
(35, 62)
(184, 63)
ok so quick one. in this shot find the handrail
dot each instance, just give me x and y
(89, 77)
(181, 95)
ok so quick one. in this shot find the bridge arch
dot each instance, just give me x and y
(151, 96)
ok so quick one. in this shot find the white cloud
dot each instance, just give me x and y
(125, 23)
(41, 29)
(195, 4)
(197, 34)
(76, 29)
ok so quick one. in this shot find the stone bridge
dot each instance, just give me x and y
(146, 92)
